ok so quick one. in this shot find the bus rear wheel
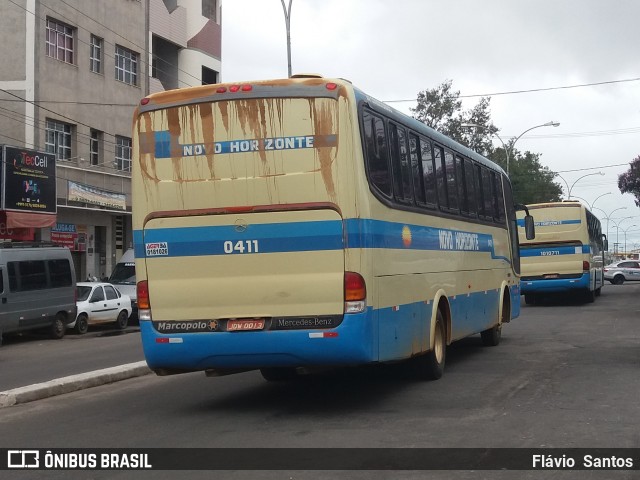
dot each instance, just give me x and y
(491, 337)
(431, 365)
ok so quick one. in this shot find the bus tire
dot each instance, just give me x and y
(590, 296)
(58, 327)
(598, 291)
(529, 299)
(279, 374)
(491, 337)
(430, 366)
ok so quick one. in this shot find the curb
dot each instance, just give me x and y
(72, 383)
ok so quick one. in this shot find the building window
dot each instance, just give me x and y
(94, 147)
(60, 43)
(58, 139)
(209, 9)
(209, 77)
(123, 153)
(95, 55)
(126, 65)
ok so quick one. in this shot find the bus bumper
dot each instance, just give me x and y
(350, 343)
(555, 285)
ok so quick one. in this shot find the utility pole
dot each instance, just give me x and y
(287, 21)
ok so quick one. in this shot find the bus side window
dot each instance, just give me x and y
(395, 161)
(438, 157)
(477, 180)
(418, 185)
(472, 203)
(405, 166)
(487, 194)
(462, 186)
(452, 189)
(498, 197)
(428, 172)
(400, 164)
(376, 153)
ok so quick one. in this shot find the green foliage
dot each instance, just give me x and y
(629, 181)
(531, 181)
(441, 109)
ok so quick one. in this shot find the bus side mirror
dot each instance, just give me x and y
(529, 228)
(605, 243)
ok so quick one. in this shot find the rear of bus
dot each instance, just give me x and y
(560, 257)
(239, 197)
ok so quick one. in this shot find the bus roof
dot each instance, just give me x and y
(300, 86)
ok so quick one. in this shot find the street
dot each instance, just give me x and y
(564, 376)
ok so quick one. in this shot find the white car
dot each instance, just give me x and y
(100, 302)
(619, 272)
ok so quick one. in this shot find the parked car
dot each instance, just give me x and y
(124, 279)
(36, 288)
(100, 302)
(624, 270)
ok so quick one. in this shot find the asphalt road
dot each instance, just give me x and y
(34, 357)
(564, 376)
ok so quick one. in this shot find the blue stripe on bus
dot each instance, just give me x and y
(374, 335)
(551, 223)
(312, 236)
(541, 252)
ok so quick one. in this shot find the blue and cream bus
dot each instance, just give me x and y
(292, 224)
(566, 254)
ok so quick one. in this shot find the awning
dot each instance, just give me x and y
(27, 219)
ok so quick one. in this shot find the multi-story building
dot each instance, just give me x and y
(73, 72)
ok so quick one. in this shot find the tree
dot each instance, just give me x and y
(441, 109)
(629, 181)
(530, 180)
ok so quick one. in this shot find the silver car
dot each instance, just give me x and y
(624, 270)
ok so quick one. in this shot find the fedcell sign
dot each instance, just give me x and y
(28, 180)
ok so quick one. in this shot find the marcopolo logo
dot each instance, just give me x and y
(23, 459)
(187, 327)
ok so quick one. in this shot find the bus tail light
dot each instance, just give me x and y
(355, 293)
(586, 266)
(144, 307)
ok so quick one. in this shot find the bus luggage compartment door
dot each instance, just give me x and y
(245, 265)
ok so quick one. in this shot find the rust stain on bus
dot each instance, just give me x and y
(323, 125)
(206, 116)
(146, 147)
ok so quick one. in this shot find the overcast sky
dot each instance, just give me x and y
(394, 49)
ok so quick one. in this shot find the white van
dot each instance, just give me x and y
(124, 278)
(37, 288)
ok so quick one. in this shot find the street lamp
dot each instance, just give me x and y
(580, 178)
(594, 202)
(625, 238)
(618, 228)
(608, 217)
(569, 188)
(287, 21)
(513, 141)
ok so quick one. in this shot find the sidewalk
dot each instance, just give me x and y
(72, 383)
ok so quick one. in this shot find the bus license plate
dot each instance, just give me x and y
(245, 324)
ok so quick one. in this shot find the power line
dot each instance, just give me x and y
(532, 90)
